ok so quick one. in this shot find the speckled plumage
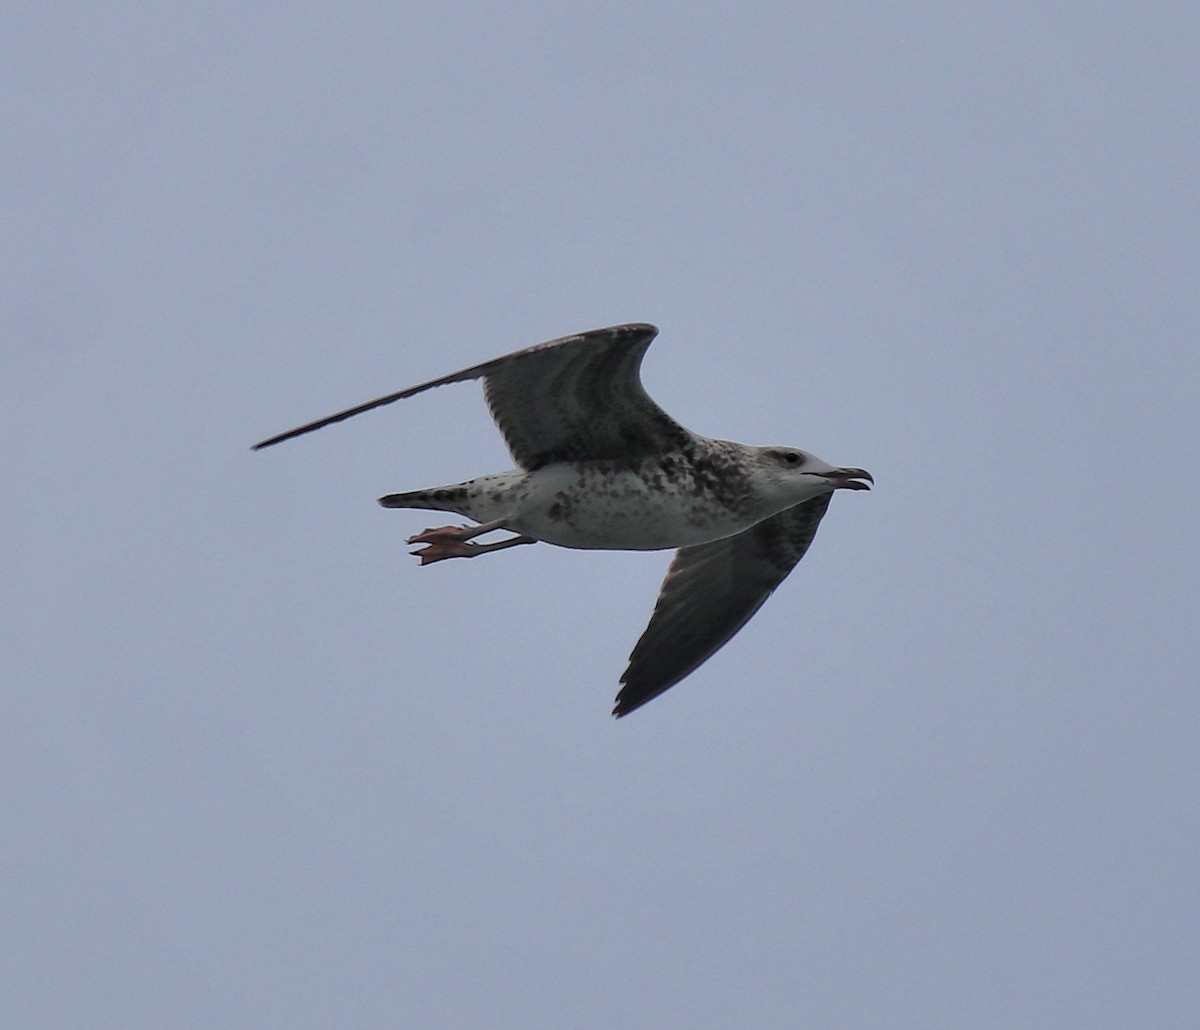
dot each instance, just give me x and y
(601, 466)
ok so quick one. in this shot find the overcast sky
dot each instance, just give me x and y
(259, 769)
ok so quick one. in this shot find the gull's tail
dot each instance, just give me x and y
(442, 498)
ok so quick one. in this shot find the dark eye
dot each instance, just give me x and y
(792, 457)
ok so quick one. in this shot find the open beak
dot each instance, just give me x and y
(850, 479)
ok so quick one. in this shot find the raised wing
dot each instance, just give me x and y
(710, 592)
(575, 398)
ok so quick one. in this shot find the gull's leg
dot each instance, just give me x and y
(454, 534)
(451, 541)
(456, 547)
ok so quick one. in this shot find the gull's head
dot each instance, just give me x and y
(791, 476)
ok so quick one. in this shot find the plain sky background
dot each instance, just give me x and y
(257, 769)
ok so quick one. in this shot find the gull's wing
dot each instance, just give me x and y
(711, 591)
(576, 398)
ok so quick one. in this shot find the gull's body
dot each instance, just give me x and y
(601, 466)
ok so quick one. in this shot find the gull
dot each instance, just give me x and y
(600, 466)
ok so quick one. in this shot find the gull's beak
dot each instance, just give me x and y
(849, 479)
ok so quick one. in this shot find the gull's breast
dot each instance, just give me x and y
(635, 507)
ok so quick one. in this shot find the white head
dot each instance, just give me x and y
(791, 476)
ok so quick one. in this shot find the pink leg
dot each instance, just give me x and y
(451, 542)
(441, 549)
(453, 534)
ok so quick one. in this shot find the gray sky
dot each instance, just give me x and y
(261, 770)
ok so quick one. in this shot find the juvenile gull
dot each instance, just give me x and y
(601, 466)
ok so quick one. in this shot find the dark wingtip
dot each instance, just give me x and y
(272, 441)
(626, 702)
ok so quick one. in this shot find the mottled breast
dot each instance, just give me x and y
(642, 505)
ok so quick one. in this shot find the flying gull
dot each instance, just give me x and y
(601, 466)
